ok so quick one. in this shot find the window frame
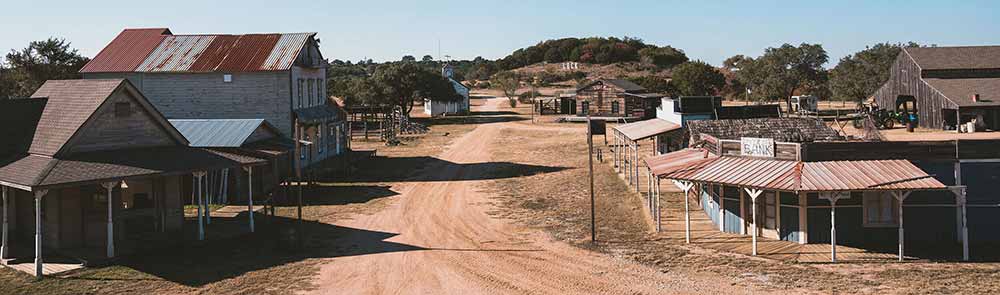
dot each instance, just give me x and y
(301, 84)
(878, 199)
(309, 86)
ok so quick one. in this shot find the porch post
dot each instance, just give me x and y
(833, 197)
(754, 193)
(201, 224)
(5, 248)
(803, 219)
(38, 231)
(635, 163)
(204, 190)
(686, 187)
(722, 208)
(659, 223)
(250, 192)
(900, 196)
(110, 186)
(964, 233)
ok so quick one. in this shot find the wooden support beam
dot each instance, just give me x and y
(803, 218)
(109, 187)
(754, 193)
(249, 170)
(5, 247)
(197, 178)
(686, 187)
(960, 194)
(38, 231)
(722, 209)
(833, 198)
(900, 196)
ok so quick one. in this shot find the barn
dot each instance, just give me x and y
(946, 85)
(616, 98)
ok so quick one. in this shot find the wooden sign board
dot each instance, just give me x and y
(757, 147)
(598, 127)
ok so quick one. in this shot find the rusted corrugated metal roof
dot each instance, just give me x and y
(680, 164)
(771, 174)
(208, 53)
(866, 175)
(127, 51)
(646, 129)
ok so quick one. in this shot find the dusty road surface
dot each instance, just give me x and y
(438, 238)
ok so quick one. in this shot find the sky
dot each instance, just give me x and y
(710, 31)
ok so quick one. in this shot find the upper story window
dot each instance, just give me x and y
(320, 92)
(312, 92)
(320, 147)
(123, 110)
(227, 78)
(301, 89)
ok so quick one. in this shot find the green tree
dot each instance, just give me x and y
(427, 58)
(508, 82)
(409, 58)
(31, 66)
(654, 84)
(400, 84)
(781, 71)
(859, 75)
(664, 57)
(697, 78)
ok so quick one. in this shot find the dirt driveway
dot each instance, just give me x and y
(438, 238)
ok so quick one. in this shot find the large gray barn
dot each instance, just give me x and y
(276, 77)
(948, 84)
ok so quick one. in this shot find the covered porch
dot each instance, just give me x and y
(627, 145)
(750, 197)
(89, 208)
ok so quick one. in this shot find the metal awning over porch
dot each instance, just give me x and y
(646, 129)
(832, 180)
(696, 165)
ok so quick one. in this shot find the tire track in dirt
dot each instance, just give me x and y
(463, 250)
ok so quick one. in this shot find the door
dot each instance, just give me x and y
(732, 220)
(789, 226)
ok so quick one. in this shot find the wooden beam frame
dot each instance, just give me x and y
(833, 197)
(686, 187)
(754, 193)
(900, 196)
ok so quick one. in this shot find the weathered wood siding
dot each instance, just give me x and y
(905, 79)
(106, 131)
(601, 98)
(256, 95)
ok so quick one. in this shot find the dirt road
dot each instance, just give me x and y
(438, 238)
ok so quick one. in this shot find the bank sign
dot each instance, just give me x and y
(757, 147)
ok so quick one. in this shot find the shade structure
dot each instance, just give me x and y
(646, 129)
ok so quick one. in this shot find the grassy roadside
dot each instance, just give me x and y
(557, 202)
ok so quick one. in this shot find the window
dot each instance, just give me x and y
(614, 107)
(301, 89)
(880, 210)
(770, 210)
(311, 92)
(337, 139)
(320, 91)
(123, 109)
(320, 147)
(585, 107)
(227, 78)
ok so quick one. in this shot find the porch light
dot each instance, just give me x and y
(124, 185)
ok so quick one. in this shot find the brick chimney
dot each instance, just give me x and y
(975, 97)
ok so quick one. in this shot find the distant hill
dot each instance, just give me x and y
(555, 72)
(594, 50)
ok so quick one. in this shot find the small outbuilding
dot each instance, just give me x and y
(456, 107)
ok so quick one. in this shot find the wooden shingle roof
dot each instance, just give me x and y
(71, 103)
(956, 57)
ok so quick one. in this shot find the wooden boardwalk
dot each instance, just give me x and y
(705, 234)
(48, 268)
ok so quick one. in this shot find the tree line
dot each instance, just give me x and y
(22, 71)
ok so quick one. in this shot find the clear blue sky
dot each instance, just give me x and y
(386, 30)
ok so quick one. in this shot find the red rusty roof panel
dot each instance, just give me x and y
(198, 53)
(127, 51)
(771, 174)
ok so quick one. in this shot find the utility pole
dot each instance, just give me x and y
(590, 160)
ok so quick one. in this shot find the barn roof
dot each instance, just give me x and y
(961, 91)
(220, 133)
(158, 50)
(955, 57)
